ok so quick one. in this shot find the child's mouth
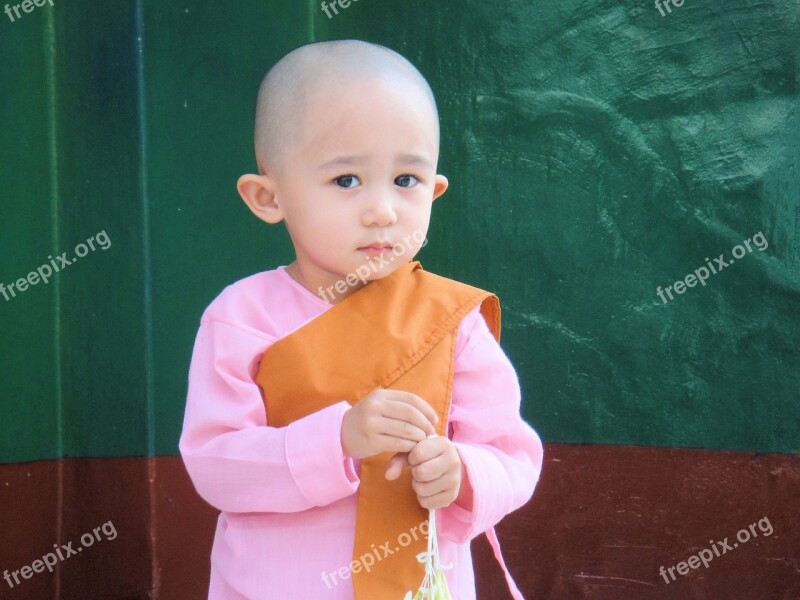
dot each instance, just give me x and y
(375, 250)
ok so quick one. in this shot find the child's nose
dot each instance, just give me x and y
(381, 209)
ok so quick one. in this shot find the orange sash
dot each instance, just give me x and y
(398, 332)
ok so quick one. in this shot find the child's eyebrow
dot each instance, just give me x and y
(405, 159)
(415, 159)
(344, 161)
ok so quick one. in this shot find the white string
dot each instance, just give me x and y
(434, 585)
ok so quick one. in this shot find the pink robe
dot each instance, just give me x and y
(288, 495)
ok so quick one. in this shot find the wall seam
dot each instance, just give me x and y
(55, 243)
(311, 32)
(147, 294)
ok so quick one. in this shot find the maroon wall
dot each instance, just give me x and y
(601, 523)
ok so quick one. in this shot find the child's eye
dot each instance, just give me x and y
(347, 182)
(406, 181)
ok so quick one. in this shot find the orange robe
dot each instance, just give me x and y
(398, 332)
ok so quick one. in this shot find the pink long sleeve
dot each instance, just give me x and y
(502, 454)
(237, 462)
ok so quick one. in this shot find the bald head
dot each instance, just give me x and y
(283, 98)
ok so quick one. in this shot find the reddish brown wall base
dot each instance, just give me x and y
(605, 518)
(601, 523)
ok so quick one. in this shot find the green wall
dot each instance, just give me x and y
(594, 152)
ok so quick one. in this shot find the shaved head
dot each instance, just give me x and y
(284, 96)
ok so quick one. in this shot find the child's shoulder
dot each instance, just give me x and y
(249, 301)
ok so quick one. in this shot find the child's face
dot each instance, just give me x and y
(363, 171)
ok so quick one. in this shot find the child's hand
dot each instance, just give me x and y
(386, 421)
(436, 470)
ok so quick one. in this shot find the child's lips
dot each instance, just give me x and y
(376, 249)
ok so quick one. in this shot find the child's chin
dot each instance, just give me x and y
(387, 270)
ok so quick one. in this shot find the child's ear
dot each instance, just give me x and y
(439, 186)
(258, 192)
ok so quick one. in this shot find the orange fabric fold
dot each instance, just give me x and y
(398, 332)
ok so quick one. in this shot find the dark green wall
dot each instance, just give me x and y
(594, 152)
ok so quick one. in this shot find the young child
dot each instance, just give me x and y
(315, 389)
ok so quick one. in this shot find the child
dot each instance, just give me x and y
(315, 388)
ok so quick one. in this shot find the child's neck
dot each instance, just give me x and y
(328, 293)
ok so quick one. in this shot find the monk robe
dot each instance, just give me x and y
(398, 332)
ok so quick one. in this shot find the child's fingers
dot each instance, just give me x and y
(396, 465)
(428, 449)
(426, 489)
(413, 409)
(431, 470)
(435, 494)
(401, 429)
(390, 443)
(413, 400)
(440, 500)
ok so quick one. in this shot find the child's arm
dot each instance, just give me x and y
(240, 464)
(236, 462)
(501, 454)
